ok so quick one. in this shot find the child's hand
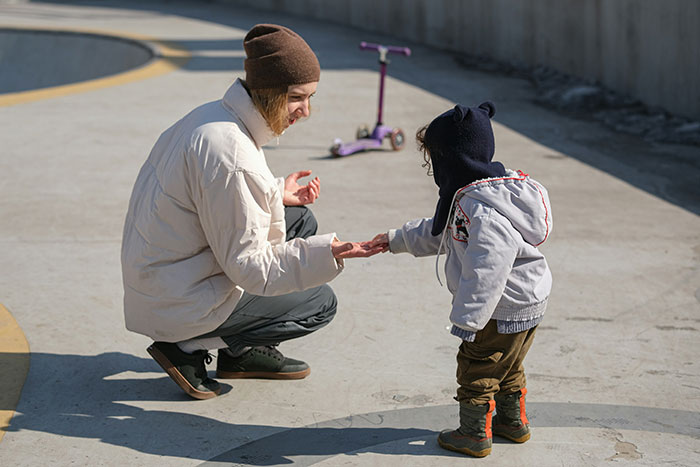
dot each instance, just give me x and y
(380, 240)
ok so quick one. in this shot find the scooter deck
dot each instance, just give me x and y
(357, 146)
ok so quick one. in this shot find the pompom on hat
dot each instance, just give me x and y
(278, 57)
(461, 146)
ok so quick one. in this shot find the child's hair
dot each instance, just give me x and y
(272, 105)
(420, 140)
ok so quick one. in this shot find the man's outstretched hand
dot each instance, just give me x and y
(343, 250)
(300, 195)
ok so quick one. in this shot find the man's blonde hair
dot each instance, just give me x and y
(272, 105)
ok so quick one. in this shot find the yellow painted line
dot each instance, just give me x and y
(14, 366)
(168, 57)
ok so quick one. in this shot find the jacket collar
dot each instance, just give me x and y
(237, 101)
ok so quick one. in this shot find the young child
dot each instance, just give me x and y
(489, 221)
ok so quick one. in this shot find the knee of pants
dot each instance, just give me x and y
(329, 303)
(310, 222)
(301, 222)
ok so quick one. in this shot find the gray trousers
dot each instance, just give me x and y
(259, 321)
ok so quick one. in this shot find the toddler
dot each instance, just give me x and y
(489, 222)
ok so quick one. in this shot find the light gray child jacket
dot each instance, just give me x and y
(494, 269)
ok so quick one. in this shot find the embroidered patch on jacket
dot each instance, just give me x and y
(459, 226)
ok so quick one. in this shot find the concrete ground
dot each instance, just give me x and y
(613, 376)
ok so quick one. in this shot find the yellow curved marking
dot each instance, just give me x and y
(168, 57)
(14, 366)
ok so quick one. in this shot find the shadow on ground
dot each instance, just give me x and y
(98, 397)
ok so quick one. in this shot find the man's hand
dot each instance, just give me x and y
(343, 250)
(298, 195)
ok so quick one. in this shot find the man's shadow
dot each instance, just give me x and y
(103, 397)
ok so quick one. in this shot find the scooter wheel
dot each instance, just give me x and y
(334, 150)
(397, 139)
(362, 132)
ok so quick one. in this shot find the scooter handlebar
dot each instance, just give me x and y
(389, 48)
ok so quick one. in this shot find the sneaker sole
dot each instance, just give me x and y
(262, 374)
(176, 376)
(450, 447)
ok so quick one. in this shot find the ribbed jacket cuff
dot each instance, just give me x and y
(514, 327)
(511, 312)
(467, 336)
(397, 244)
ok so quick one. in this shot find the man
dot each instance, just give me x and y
(217, 253)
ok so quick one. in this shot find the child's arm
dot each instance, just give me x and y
(486, 264)
(414, 237)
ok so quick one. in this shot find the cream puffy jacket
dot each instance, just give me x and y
(206, 222)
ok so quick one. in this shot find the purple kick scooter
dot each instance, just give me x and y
(364, 139)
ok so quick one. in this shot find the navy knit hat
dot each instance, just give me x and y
(460, 144)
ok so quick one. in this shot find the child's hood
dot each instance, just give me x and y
(523, 201)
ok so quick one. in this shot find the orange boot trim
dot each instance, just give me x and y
(489, 415)
(523, 415)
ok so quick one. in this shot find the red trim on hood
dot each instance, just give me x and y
(522, 174)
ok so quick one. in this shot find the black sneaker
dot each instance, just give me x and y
(260, 362)
(187, 370)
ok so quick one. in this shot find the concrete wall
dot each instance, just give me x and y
(648, 49)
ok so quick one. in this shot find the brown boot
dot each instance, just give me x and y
(511, 421)
(473, 436)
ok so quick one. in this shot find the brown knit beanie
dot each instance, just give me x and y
(278, 57)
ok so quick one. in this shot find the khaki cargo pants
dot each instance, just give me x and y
(492, 364)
